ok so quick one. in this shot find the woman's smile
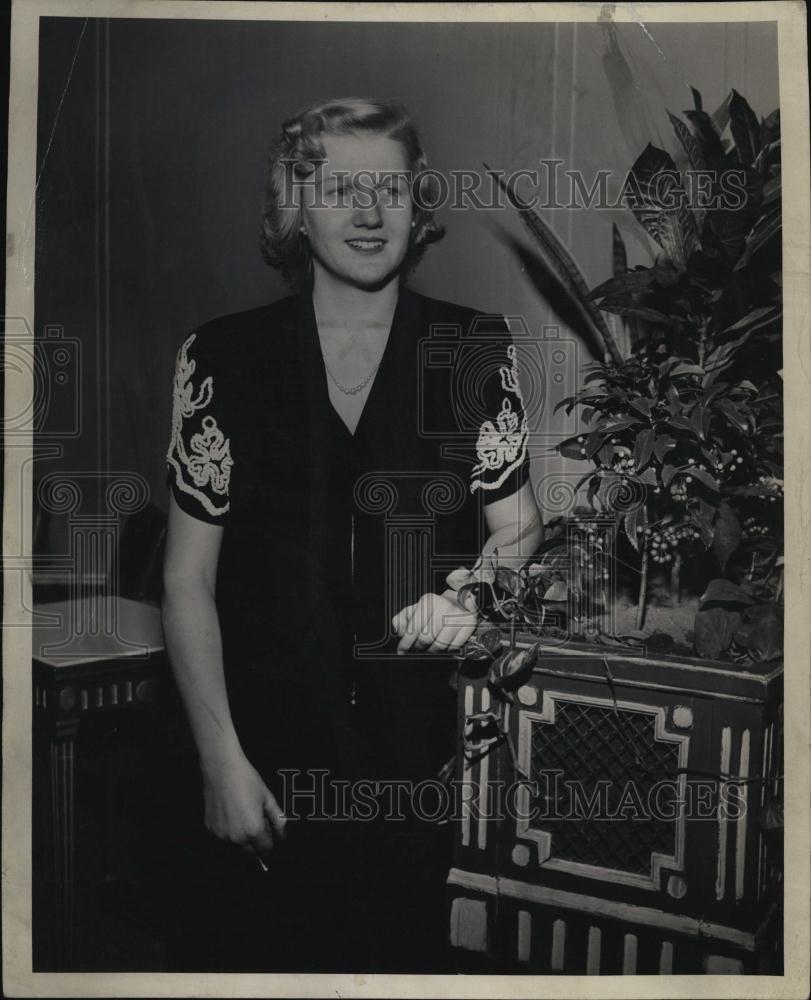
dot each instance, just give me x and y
(366, 245)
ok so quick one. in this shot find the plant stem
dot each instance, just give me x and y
(675, 579)
(702, 342)
(643, 586)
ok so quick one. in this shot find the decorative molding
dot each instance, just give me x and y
(484, 783)
(544, 838)
(608, 909)
(721, 856)
(467, 775)
(741, 822)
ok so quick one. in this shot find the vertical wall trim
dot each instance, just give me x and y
(767, 756)
(572, 124)
(593, 953)
(720, 880)
(629, 955)
(558, 945)
(484, 777)
(466, 776)
(524, 935)
(106, 420)
(551, 214)
(666, 959)
(740, 832)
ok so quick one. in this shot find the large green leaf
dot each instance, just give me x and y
(595, 441)
(714, 629)
(508, 580)
(697, 419)
(512, 668)
(753, 320)
(635, 521)
(704, 525)
(571, 448)
(708, 138)
(770, 127)
(690, 145)
(642, 405)
(767, 227)
(643, 448)
(660, 205)
(764, 320)
(636, 312)
(638, 280)
(727, 534)
(619, 255)
(704, 477)
(720, 117)
(727, 224)
(681, 423)
(563, 266)
(764, 640)
(744, 126)
(734, 414)
(720, 591)
(662, 445)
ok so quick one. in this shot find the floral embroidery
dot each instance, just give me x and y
(505, 441)
(509, 376)
(210, 462)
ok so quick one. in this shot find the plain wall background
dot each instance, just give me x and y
(152, 140)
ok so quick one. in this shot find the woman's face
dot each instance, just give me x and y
(358, 216)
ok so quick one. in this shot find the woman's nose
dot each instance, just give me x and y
(368, 216)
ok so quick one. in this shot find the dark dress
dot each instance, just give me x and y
(327, 536)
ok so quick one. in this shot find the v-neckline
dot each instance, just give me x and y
(317, 359)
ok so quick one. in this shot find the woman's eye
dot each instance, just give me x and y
(341, 194)
(392, 195)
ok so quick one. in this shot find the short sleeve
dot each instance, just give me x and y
(502, 463)
(199, 459)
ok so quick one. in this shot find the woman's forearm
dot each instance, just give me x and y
(194, 645)
(515, 529)
(512, 544)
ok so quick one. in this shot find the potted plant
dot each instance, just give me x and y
(641, 643)
(684, 435)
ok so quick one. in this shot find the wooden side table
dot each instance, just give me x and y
(101, 654)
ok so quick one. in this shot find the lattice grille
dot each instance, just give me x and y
(591, 744)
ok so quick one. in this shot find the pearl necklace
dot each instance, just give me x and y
(352, 390)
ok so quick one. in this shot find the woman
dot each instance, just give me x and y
(326, 476)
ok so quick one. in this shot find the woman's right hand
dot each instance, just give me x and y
(240, 808)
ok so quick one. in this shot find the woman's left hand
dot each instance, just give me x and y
(435, 624)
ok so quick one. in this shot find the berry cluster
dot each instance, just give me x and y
(665, 541)
(732, 463)
(774, 486)
(751, 529)
(678, 489)
(588, 530)
(623, 463)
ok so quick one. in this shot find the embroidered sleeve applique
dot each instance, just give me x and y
(502, 444)
(199, 453)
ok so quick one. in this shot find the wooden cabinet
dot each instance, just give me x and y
(95, 660)
(625, 820)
